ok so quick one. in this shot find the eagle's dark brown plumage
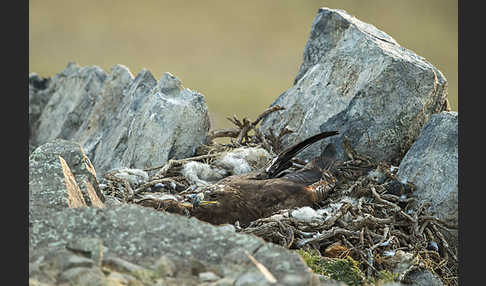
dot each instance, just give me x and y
(258, 194)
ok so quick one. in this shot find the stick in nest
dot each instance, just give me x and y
(244, 126)
(276, 140)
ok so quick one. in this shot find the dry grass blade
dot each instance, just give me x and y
(268, 275)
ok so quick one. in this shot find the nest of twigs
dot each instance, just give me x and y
(372, 220)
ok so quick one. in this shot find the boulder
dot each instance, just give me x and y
(61, 176)
(358, 80)
(121, 121)
(431, 165)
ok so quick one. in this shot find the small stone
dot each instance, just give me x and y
(76, 261)
(159, 187)
(208, 277)
(432, 246)
(116, 278)
(91, 247)
(124, 266)
(424, 278)
(120, 265)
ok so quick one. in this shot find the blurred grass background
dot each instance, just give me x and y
(241, 55)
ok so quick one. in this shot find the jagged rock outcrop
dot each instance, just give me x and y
(357, 79)
(119, 120)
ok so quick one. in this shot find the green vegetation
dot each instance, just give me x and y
(385, 276)
(343, 269)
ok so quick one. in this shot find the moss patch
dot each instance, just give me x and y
(341, 269)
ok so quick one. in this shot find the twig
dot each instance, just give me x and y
(228, 132)
(437, 220)
(244, 126)
(342, 211)
(378, 198)
(328, 234)
(267, 112)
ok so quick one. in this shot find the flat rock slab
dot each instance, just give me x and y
(142, 235)
(358, 80)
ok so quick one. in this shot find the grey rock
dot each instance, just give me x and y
(73, 93)
(176, 281)
(155, 122)
(358, 80)
(252, 277)
(120, 265)
(90, 247)
(292, 280)
(83, 276)
(71, 261)
(47, 186)
(432, 165)
(164, 266)
(423, 278)
(115, 278)
(141, 236)
(208, 277)
(38, 98)
(113, 201)
(223, 282)
(112, 106)
(122, 121)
